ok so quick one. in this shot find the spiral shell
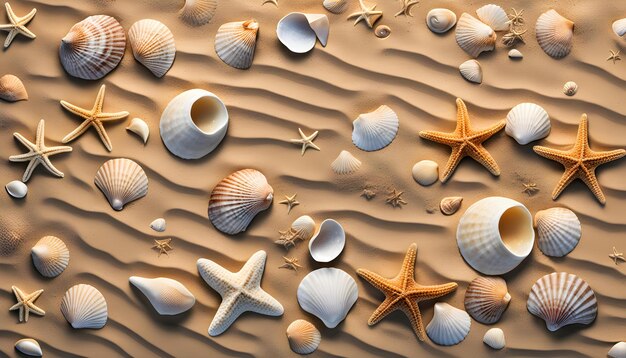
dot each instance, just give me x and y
(382, 31)
(471, 71)
(198, 12)
(558, 231)
(121, 181)
(527, 122)
(450, 205)
(345, 163)
(303, 337)
(153, 45)
(375, 130)
(12, 89)
(83, 306)
(335, 6)
(494, 16)
(554, 34)
(570, 88)
(449, 325)
(167, 296)
(486, 299)
(50, 256)
(440, 20)
(235, 43)
(473, 36)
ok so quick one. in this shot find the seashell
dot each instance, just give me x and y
(29, 347)
(167, 296)
(494, 338)
(237, 199)
(121, 181)
(619, 27)
(570, 88)
(320, 25)
(158, 225)
(235, 43)
(382, 31)
(12, 89)
(486, 299)
(16, 189)
(425, 172)
(554, 34)
(328, 242)
(527, 122)
(473, 36)
(140, 128)
(561, 299)
(440, 20)
(471, 71)
(298, 31)
(93, 47)
(335, 6)
(450, 205)
(193, 124)
(328, 293)
(153, 45)
(495, 235)
(83, 306)
(515, 54)
(449, 325)
(618, 350)
(50, 256)
(375, 130)
(494, 16)
(558, 231)
(198, 12)
(345, 163)
(303, 337)
(304, 226)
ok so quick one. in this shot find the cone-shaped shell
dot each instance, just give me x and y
(198, 12)
(320, 25)
(558, 231)
(527, 122)
(619, 27)
(93, 47)
(305, 225)
(83, 306)
(153, 45)
(450, 205)
(375, 130)
(140, 128)
(328, 242)
(449, 325)
(16, 189)
(618, 350)
(494, 338)
(167, 296)
(12, 89)
(473, 36)
(158, 225)
(328, 293)
(345, 163)
(303, 337)
(554, 34)
(440, 20)
(29, 347)
(486, 299)
(50, 256)
(237, 199)
(561, 299)
(235, 43)
(335, 6)
(570, 88)
(121, 180)
(471, 71)
(494, 16)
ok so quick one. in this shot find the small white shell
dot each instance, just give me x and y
(303, 337)
(570, 88)
(558, 231)
(198, 12)
(83, 306)
(335, 6)
(305, 225)
(12, 89)
(494, 16)
(375, 130)
(554, 34)
(486, 299)
(140, 128)
(449, 325)
(425, 172)
(29, 347)
(153, 45)
(158, 225)
(473, 36)
(167, 296)
(450, 205)
(328, 242)
(440, 20)
(527, 122)
(345, 163)
(471, 71)
(50, 256)
(494, 338)
(298, 31)
(17, 189)
(619, 27)
(121, 181)
(320, 25)
(235, 43)
(515, 54)
(618, 350)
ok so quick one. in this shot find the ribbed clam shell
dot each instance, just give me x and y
(50, 256)
(121, 180)
(527, 122)
(486, 299)
(619, 27)
(450, 205)
(328, 293)
(473, 36)
(440, 20)
(449, 325)
(328, 242)
(83, 306)
(12, 89)
(303, 337)
(554, 34)
(494, 16)
(305, 225)
(93, 47)
(375, 130)
(16, 189)
(167, 296)
(198, 12)
(140, 128)
(471, 71)
(235, 43)
(516, 54)
(558, 231)
(158, 225)
(618, 350)
(561, 299)
(153, 45)
(237, 199)
(494, 338)
(345, 163)
(29, 347)
(570, 88)
(335, 6)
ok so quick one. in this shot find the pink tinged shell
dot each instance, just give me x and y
(50, 256)
(486, 299)
(153, 45)
(121, 181)
(303, 337)
(473, 36)
(235, 43)
(83, 306)
(12, 89)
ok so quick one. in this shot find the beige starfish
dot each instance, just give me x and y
(291, 263)
(513, 36)
(617, 256)
(530, 188)
(38, 153)
(289, 237)
(580, 162)
(163, 246)
(407, 5)
(17, 25)
(290, 201)
(26, 303)
(368, 194)
(395, 198)
(367, 14)
(516, 18)
(306, 141)
(614, 56)
(93, 117)
(275, 2)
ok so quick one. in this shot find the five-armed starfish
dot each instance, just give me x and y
(407, 5)
(25, 303)
(306, 141)
(614, 56)
(530, 188)
(163, 246)
(369, 15)
(17, 25)
(290, 201)
(291, 263)
(617, 256)
(395, 198)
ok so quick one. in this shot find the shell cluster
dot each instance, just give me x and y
(50, 256)
(299, 31)
(375, 130)
(83, 306)
(121, 181)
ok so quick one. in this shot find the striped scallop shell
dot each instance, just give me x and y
(50, 256)
(237, 199)
(558, 231)
(375, 130)
(440, 20)
(473, 36)
(235, 43)
(486, 299)
(345, 163)
(335, 6)
(471, 71)
(12, 89)
(527, 122)
(449, 325)
(494, 16)
(198, 12)
(93, 47)
(561, 299)
(121, 181)
(167, 296)
(303, 337)
(153, 45)
(494, 338)
(304, 226)
(554, 34)
(619, 27)
(83, 306)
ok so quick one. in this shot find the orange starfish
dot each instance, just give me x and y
(465, 142)
(580, 162)
(403, 293)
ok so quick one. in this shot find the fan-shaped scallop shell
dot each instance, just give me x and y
(167, 296)
(121, 180)
(450, 205)
(486, 299)
(471, 71)
(473, 36)
(345, 163)
(304, 226)
(494, 338)
(554, 34)
(83, 306)
(153, 45)
(303, 337)
(527, 122)
(570, 88)
(494, 16)
(440, 20)
(558, 231)
(328, 242)
(93, 47)
(29, 347)
(335, 6)
(237, 199)
(198, 12)
(449, 325)
(50, 256)
(235, 43)
(375, 130)
(619, 27)
(12, 89)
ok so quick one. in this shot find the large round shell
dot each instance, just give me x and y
(121, 181)
(375, 130)
(440, 20)
(527, 122)
(328, 242)
(50, 256)
(471, 71)
(619, 27)
(554, 34)
(29, 347)
(449, 325)
(12, 89)
(237, 199)
(167, 296)
(494, 338)
(473, 36)
(335, 6)
(345, 163)
(303, 337)
(198, 12)
(558, 231)
(83, 306)
(486, 299)
(235, 43)
(494, 16)
(153, 45)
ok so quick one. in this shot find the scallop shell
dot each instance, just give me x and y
(93, 47)
(158, 225)
(328, 242)
(494, 16)
(527, 122)
(486, 299)
(237, 199)
(494, 338)
(167, 296)
(29, 347)
(449, 325)
(561, 299)
(298, 31)
(570, 88)
(305, 225)
(328, 293)
(440, 20)
(12, 89)
(235, 43)
(16, 189)
(83, 306)
(121, 181)
(558, 231)
(425, 172)
(471, 71)
(140, 128)
(375, 130)
(554, 34)
(335, 6)
(198, 12)
(495, 235)
(153, 45)
(473, 36)
(50, 256)
(450, 205)
(619, 27)
(303, 337)
(515, 54)
(345, 163)
(618, 350)
(382, 31)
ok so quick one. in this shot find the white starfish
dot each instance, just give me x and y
(17, 25)
(306, 141)
(368, 14)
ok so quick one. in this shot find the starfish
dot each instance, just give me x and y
(306, 141)
(465, 142)
(580, 162)
(516, 17)
(38, 153)
(17, 25)
(368, 194)
(407, 6)
(530, 188)
(290, 201)
(275, 2)
(289, 238)
(291, 263)
(163, 246)
(93, 117)
(369, 15)
(26, 303)
(395, 198)
(512, 36)
(403, 293)
(241, 291)
(617, 256)
(614, 56)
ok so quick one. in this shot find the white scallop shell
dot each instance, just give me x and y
(375, 130)
(450, 205)
(619, 27)
(515, 53)
(494, 16)
(29, 347)
(449, 325)
(50, 256)
(561, 299)
(153, 45)
(486, 299)
(328, 293)
(198, 12)
(570, 88)
(158, 225)
(237, 199)
(554, 34)
(235, 43)
(12, 89)
(16, 189)
(471, 71)
(83, 306)
(440, 20)
(167, 296)
(140, 128)
(298, 31)
(121, 181)
(345, 163)
(328, 242)
(618, 350)
(303, 337)
(558, 231)
(305, 225)
(335, 6)
(495, 235)
(473, 36)
(494, 338)
(425, 172)
(527, 122)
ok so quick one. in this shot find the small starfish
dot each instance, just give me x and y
(163, 246)
(38, 153)
(530, 188)
(407, 5)
(17, 25)
(395, 198)
(366, 14)
(306, 141)
(617, 256)
(513, 36)
(290, 201)
(275, 2)
(291, 263)
(26, 303)
(368, 194)
(516, 17)
(614, 56)
(93, 117)
(288, 238)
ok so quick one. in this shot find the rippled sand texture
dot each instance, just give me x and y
(414, 72)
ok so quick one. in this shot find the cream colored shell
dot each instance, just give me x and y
(345, 163)
(153, 45)
(140, 128)
(375, 130)
(121, 181)
(235, 43)
(440, 20)
(474, 36)
(450, 205)
(558, 231)
(198, 12)
(494, 16)
(303, 337)
(83, 306)
(335, 6)
(486, 299)
(494, 338)
(554, 34)
(50, 256)
(167, 296)
(471, 71)
(527, 122)
(12, 89)
(449, 325)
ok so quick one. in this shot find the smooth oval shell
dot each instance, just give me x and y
(304, 226)
(345, 163)
(473, 36)
(527, 122)
(554, 34)
(328, 242)
(450, 205)
(515, 54)
(153, 45)
(619, 27)
(618, 350)
(570, 88)
(375, 130)
(167, 296)
(335, 6)
(16, 189)
(83, 306)
(12, 89)
(158, 225)
(558, 231)
(50, 256)
(494, 16)
(29, 346)
(449, 325)
(471, 71)
(425, 172)
(494, 338)
(198, 12)
(486, 299)
(121, 181)
(140, 128)
(235, 43)
(440, 20)
(303, 337)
